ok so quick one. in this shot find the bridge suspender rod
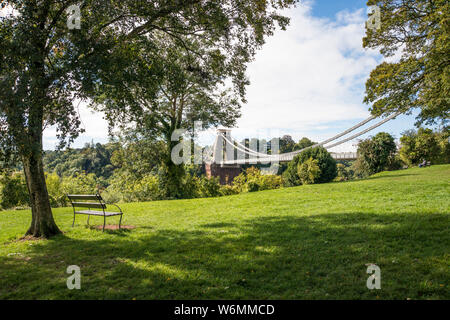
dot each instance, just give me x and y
(364, 131)
(250, 152)
(246, 150)
(344, 133)
(313, 146)
(335, 137)
(238, 147)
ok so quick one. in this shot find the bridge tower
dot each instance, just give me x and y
(222, 151)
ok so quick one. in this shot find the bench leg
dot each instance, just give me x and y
(73, 223)
(104, 222)
(88, 219)
(120, 221)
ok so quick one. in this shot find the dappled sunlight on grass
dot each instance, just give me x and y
(287, 244)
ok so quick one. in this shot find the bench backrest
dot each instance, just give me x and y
(87, 201)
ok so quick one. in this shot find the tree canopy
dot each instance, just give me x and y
(376, 154)
(418, 32)
(424, 144)
(45, 66)
(326, 169)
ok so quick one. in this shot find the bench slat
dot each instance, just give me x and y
(83, 197)
(98, 213)
(89, 205)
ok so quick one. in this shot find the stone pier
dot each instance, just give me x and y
(226, 173)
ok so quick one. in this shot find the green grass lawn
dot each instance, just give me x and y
(308, 242)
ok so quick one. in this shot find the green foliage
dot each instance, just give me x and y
(287, 144)
(419, 31)
(55, 190)
(444, 143)
(343, 172)
(424, 144)
(80, 184)
(395, 163)
(326, 164)
(308, 171)
(209, 187)
(137, 155)
(376, 154)
(125, 188)
(303, 143)
(252, 180)
(13, 191)
(59, 187)
(147, 189)
(93, 158)
(228, 190)
(173, 182)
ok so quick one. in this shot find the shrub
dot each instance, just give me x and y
(126, 188)
(81, 183)
(147, 189)
(55, 191)
(326, 164)
(425, 145)
(189, 188)
(269, 181)
(111, 195)
(228, 190)
(209, 187)
(308, 171)
(395, 163)
(376, 154)
(13, 191)
(342, 173)
(252, 180)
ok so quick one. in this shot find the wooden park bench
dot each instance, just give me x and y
(82, 204)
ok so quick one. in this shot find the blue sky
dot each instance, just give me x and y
(306, 81)
(329, 8)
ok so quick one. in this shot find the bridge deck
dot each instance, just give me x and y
(287, 158)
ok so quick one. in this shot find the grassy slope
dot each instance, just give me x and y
(309, 242)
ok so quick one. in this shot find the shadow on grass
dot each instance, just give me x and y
(287, 257)
(218, 225)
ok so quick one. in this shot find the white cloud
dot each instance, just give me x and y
(306, 81)
(310, 77)
(96, 128)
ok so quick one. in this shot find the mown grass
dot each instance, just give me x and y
(309, 242)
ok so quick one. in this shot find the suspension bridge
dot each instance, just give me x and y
(228, 154)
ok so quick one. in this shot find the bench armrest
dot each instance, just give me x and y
(115, 205)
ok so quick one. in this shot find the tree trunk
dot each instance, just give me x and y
(174, 173)
(42, 222)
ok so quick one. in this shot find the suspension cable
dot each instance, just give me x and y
(365, 131)
(241, 148)
(335, 137)
(251, 152)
